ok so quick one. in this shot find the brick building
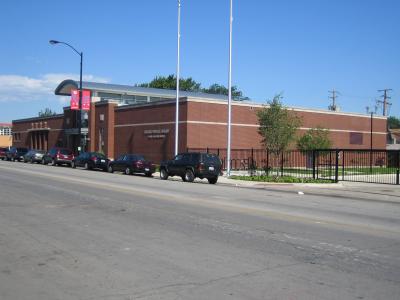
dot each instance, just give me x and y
(126, 119)
(5, 134)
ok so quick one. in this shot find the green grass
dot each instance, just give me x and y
(279, 179)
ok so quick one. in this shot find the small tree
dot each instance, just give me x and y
(47, 112)
(393, 122)
(277, 126)
(314, 138)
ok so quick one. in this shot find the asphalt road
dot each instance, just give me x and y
(74, 234)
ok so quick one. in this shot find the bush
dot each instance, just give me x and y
(280, 179)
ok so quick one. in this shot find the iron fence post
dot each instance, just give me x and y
(337, 166)
(267, 167)
(313, 163)
(398, 166)
(282, 164)
(343, 163)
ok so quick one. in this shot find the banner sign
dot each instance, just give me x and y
(85, 100)
(74, 100)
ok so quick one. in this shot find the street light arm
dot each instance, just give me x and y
(58, 42)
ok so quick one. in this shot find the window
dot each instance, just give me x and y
(356, 138)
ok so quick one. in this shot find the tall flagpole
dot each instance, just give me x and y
(177, 81)
(228, 168)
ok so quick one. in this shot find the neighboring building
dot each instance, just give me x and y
(142, 120)
(5, 128)
(5, 134)
(393, 142)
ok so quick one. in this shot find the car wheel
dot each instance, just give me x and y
(189, 176)
(163, 174)
(212, 180)
(73, 165)
(128, 171)
(110, 169)
(148, 174)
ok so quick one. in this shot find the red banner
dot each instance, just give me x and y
(86, 100)
(74, 100)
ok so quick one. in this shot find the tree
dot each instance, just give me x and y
(169, 82)
(222, 90)
(277, 126)
(190, 85)
(393, 122)
(314, 138)
(47, 112)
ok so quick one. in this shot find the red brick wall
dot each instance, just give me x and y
(215, 135)
(133, 126)
(54, 135)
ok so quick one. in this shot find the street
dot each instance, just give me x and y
(75, 234)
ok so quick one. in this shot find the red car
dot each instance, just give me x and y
(132, 163)
(3, 153)
(58, 156)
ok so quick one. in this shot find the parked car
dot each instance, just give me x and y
(58, 156)
(91, 160)
(191, 165)
(132, 163)
(34, 156)
(3, 153)
(16, 153)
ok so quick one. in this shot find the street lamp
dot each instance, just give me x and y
(79, 118)
(228, 148)
(177, 80)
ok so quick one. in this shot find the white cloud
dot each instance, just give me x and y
(16, 88)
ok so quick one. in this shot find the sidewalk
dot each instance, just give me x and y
(353, 190)
(343, 189)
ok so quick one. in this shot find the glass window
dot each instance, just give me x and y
(178, 157)
(356, 138)
(65, 152)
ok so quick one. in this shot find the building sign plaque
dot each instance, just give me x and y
(156, 133)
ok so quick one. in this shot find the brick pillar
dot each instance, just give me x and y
(110, 123)
(46, 137)
(92, 127)
(31, 142)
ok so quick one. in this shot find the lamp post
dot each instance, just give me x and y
(177, 80)
(228, 168)
(79, 117)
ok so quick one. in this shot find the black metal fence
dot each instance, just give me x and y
(358, 165)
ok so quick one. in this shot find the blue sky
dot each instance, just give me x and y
(300, 48)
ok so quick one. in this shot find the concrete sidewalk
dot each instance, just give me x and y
(353, 190)
(343, 189)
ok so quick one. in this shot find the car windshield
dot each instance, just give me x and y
(22, 149)
(99, 155)
(65, 152)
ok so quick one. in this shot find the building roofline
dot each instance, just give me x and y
(38, 118)
(65, 86)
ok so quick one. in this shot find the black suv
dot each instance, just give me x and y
(192, 165)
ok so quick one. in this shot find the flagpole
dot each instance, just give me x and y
(228, 168)
(177, 81)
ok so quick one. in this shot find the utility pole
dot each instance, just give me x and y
(333, 106)
(385, 100)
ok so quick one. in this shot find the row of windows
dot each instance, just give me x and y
(129, 99)
(5, 131)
